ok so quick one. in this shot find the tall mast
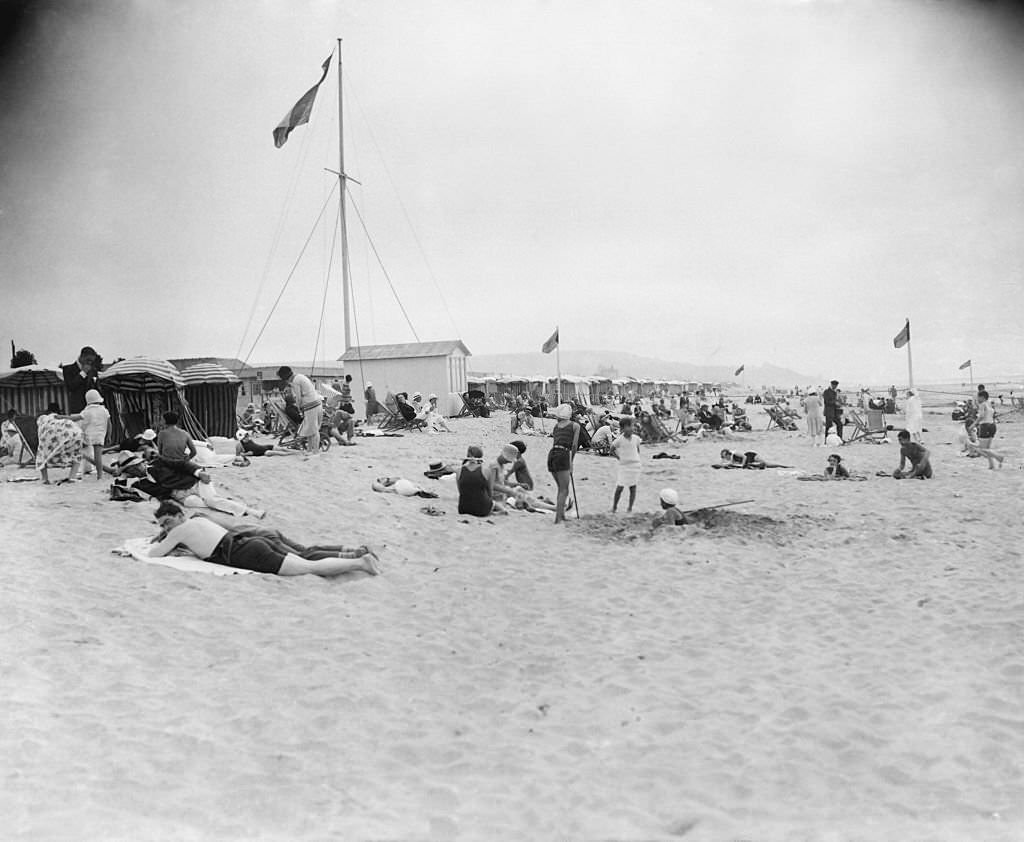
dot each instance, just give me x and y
(341, 217)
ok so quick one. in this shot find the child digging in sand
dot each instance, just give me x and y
(670, 513)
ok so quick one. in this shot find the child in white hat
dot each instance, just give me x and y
(670, 513)
(94, 420)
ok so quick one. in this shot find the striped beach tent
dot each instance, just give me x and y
(31, 388)
(212, 393)
(139, 390)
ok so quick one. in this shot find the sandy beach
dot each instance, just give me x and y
(832, 661)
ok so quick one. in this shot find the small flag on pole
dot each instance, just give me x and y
(551, 344)
(965, 365)
(299, 113)
(903, 337)
(739, 371)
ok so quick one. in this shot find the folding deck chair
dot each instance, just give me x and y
(474, 403)
(288, 437)
(26, 425)
(872, 428)
(778, 418)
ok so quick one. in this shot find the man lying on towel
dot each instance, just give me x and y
(263, 551)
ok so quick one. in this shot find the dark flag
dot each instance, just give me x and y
(903, 337)
(551, 344)
(299, 113)
(965, 365)
(738, 371)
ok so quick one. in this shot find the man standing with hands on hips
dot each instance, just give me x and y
(310, 405)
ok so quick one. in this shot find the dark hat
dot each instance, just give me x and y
(437, 470)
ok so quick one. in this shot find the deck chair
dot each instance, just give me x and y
(393, 420)
(871, 427)
(288, 435)
(29, 440)
(778, 418)
(474, 403)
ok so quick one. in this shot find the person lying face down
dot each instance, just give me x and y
(247, 550)
(748, 459)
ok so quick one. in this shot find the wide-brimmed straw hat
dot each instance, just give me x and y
(437, 470)
(148, 435)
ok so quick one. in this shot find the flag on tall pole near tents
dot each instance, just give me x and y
(965, 365)
(299, 113)
(739, 371)
(551, 344)
(903, 337)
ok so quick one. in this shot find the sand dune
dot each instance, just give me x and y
(831, 661)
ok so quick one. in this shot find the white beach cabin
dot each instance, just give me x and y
(438, 368)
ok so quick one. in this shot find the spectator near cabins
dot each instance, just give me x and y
(833, 409)
(310, 405)
(80, 377)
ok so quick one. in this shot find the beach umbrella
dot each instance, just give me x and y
(31, 377)
(203, 373)
(142, 374)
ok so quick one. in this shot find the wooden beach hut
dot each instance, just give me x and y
(212, 394)
(438, 368)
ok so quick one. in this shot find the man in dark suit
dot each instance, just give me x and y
(80, 377)
(833, 408)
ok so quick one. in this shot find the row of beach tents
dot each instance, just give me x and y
(586, 389)
(136, 391)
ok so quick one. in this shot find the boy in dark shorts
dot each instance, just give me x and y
(918, 457)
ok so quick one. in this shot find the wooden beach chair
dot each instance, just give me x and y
(474, 403)
(288, 435)
(870, 427)
(778, 418)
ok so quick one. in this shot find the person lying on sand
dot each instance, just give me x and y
(834, 470)
(401, 486)
(185, 482)
(749, 459)
(212, 542)
(918, 457)
(245, 447)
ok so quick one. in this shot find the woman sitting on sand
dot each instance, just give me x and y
(748, 459)
(475, 494)
(211, 542)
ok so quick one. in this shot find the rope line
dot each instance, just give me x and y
(291, 274)
(380, 263)
(327, 278)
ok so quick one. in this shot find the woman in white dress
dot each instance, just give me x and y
(815, 410)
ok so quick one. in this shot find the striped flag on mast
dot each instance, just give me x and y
(739, 371)
(903, 337)
(965, 365)
(551, 344)
(299, 113)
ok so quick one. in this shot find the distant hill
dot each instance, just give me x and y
(623, 364)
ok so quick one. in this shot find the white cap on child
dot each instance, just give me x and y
(669, 495)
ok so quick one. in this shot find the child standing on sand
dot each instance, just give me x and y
(626, 448)
(94, 421)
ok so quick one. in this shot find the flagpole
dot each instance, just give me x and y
(910, 360)
(341, 213)
(558, 363)
(970, 369)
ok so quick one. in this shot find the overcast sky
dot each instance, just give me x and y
(728, 181)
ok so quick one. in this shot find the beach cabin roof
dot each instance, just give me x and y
(404, 350)
(232, 364)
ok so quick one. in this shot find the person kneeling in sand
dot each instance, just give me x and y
(918, 457)
(212, 542)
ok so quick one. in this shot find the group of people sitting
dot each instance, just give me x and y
(421, 414)
(505, 482)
